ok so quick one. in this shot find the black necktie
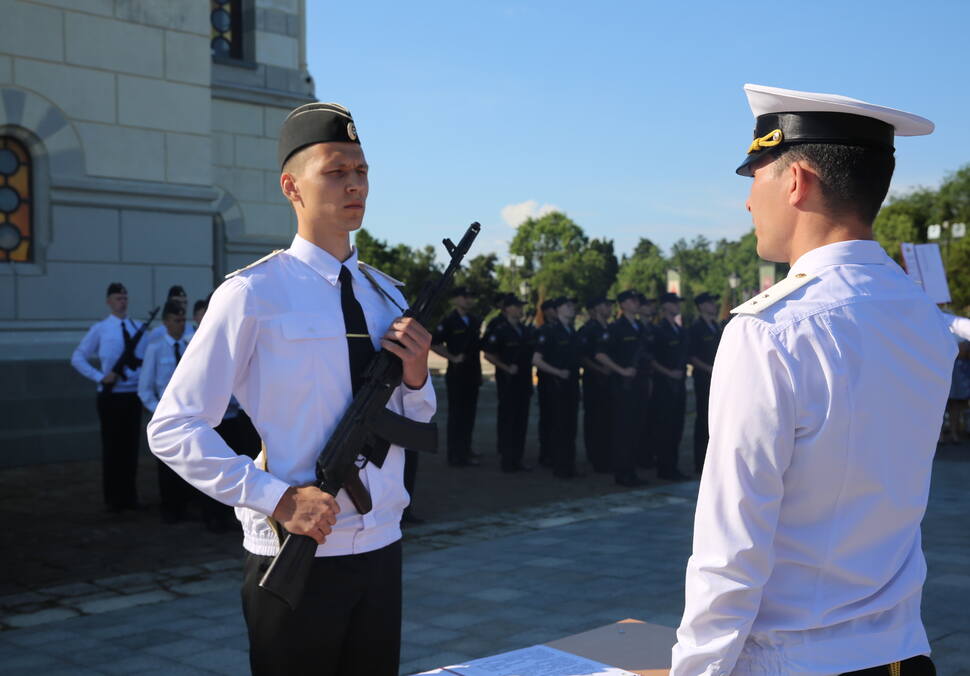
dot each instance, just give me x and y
(361, 351)
(359, 346)
(125, 336)
(178, 353)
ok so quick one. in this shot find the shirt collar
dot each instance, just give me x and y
(324, 263)
(851, 252)
(171, 341)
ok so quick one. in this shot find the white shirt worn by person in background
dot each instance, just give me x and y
(959, 326)
(274, 336)
(825, 411)
(158, 367)
(105, 342)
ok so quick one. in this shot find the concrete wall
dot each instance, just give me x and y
(153, 166)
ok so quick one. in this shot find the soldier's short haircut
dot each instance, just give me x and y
(854, 179)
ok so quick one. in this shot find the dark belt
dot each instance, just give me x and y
(921, 665)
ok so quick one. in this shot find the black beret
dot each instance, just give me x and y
(315, 123)
(173, 307)
(116, 287)
(562, 300)
(548, 304)
(462, 291)
(510, 299)
(670, 298)
(597, 300)
(627, 295)
(705, 298)
(176, 290)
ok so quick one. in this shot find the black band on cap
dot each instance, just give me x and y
(315, 123)
(815, 127)
(827, 127)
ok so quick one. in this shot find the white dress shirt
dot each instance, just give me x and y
(158, 367)
(825, 412)
(274, 337)
(159, 331)
(105, 342)
(959, 326)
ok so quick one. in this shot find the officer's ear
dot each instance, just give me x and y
(291, 190)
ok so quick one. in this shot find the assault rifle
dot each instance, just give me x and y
(128, 358)
(365, 429)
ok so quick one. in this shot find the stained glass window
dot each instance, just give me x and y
(16, 217)
(226, 19)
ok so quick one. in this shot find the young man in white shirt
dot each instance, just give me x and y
(119, 409)
(289, 336)
(161, 358)
(827, 398)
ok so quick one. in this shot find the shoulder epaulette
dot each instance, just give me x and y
(255, 263)
(371, 268)
(772, 295)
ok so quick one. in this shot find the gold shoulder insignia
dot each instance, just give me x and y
(770, 296)
(255, 263)
(371, 268)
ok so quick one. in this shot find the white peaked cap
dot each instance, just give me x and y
(765, 100)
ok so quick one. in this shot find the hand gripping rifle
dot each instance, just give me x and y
(128, 358)
(366, 426)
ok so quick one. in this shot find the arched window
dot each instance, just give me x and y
(16, 202)
(226, 20)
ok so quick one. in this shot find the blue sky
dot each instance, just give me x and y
(628, 116)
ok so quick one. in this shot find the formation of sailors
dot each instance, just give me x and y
(626, 367)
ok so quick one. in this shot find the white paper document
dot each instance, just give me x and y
(539, 660)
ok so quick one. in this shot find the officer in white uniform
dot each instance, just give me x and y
(827, 399)
(285, 336)
(119, 409)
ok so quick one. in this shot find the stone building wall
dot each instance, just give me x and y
(153, 163)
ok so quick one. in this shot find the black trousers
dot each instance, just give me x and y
(120, 416)
(462, 403)
(921, 665)
(645, 446)
(702, 395)
(669, 400)
(347, 624)
(514, 397)
(596, 419)
(627, 416)
(565, 412)
(546, 422)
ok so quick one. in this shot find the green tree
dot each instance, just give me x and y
(644, 270)
(480, 275)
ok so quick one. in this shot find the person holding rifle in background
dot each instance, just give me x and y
(116, 342)
(596, 384)
(290, 337)
(705, 334)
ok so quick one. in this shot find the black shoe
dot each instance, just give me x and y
(516, 468)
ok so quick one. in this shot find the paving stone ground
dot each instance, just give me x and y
(474, 588)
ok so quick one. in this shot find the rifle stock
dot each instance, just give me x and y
(286, 576)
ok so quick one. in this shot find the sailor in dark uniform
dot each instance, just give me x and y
(508, 345)
(557, 356)
(704, 336)
(596, 384)
(544, 384)
(458, 339)
(669, 390)
(619, 353)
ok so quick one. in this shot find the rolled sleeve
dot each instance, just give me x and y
(86, 350)
(419, 404)
(182, 434)
(752, 439)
